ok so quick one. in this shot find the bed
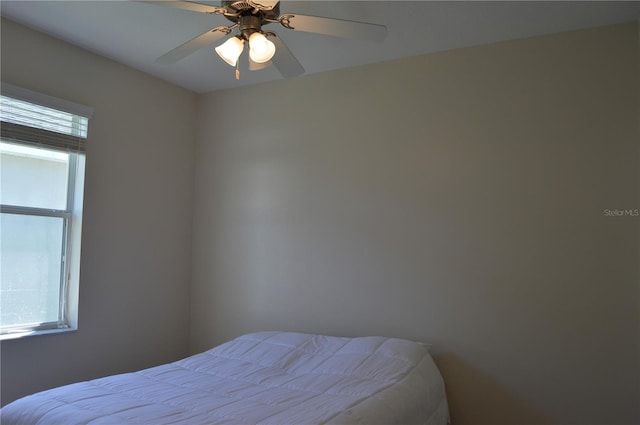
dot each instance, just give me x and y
(259, 378)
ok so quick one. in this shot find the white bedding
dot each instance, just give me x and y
(260, 378)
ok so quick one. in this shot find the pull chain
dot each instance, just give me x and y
(237, 70)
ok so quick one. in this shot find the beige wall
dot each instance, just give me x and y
(136, 246)
(457, 198)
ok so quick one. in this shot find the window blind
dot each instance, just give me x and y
(39, 120)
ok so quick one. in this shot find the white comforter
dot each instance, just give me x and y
(261, 378)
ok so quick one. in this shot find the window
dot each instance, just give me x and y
(41, 186)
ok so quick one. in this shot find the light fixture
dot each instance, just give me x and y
(261, 50)
(231, 50)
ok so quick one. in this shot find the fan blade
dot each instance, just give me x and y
(189, 5)
(194, 44)
(284, 60)
(335, 27)
(256, 66)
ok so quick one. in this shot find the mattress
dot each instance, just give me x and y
(259, 378)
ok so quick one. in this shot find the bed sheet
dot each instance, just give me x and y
(260, 378)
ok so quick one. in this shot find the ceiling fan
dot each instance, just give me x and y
(265, 47)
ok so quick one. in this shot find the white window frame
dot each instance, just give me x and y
(71, 215)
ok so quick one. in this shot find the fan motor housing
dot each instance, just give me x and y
(245, 8)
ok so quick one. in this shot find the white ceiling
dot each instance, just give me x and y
(135, 33)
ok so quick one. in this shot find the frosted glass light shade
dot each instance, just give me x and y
(230, 50)
(260, 49)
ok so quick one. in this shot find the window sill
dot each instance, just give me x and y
(25, 334)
